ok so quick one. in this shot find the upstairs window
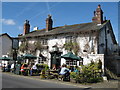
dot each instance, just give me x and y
(68, 39)
(44, 42)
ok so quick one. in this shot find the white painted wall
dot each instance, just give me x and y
(60, 41)
(96, 58)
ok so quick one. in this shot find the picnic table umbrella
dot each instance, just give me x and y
(71, 56)
(29, 56)
(5, 59)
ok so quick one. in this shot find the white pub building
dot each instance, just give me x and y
(94, 41)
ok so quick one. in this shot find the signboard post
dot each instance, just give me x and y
(15, 43)
(15, 46)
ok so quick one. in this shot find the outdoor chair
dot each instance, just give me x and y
(35, 72)
(63, 78)
(25, 72)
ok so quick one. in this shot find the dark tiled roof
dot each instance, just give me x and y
(66, 29)
(6, 35)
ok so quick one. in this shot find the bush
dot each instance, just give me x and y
(44, 66)
(72, 75)
(90, 73)
(75, 76)
(42, 76)
(94, 80)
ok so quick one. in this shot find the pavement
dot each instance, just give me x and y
(106, 84)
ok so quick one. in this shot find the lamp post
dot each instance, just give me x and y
(14, 58)
(55, 48)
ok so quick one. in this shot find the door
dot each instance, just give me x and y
(55, 60)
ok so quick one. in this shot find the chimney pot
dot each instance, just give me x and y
(99, 6)
(26, 27)
(49, 23)
(98, 15)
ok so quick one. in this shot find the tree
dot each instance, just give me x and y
(72, 46)
(68, 46)
(76, 48)
(23, 47)
(38, 46)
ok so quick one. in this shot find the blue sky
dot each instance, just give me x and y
(15, 13)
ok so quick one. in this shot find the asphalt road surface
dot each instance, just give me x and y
(16, 81)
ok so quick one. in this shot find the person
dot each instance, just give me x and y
(59, 69)
(8, 67)
(64, 71)
(76, 69)
(33, 69)
(22, 68)
(12, 67)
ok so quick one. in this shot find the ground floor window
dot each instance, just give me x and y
(40, 60)
(80, 62)
(71, 62)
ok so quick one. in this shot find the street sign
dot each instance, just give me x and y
(15, 43)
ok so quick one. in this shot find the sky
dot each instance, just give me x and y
(63, 13)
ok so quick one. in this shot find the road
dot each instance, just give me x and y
(16, 81)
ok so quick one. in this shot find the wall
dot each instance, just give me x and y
(102, 42)
(110, 45)
(0, 46)
(118, 66)
(6, 44)
(59, 40)
(95, 58)
(87, 42)
(82, 40)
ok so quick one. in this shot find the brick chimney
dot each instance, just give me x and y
(49, 23)
(98, 15)
(26, 27)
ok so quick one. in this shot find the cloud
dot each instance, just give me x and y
(20, 28)
(8, 21)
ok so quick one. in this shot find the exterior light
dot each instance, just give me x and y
(55, 48)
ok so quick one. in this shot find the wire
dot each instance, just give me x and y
(44, 11)
(48, 7)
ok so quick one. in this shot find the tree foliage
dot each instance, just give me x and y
(23, 47)
(38, 45)
(72, 46)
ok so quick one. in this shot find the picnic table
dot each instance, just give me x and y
(50, 74)
(26, 71)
